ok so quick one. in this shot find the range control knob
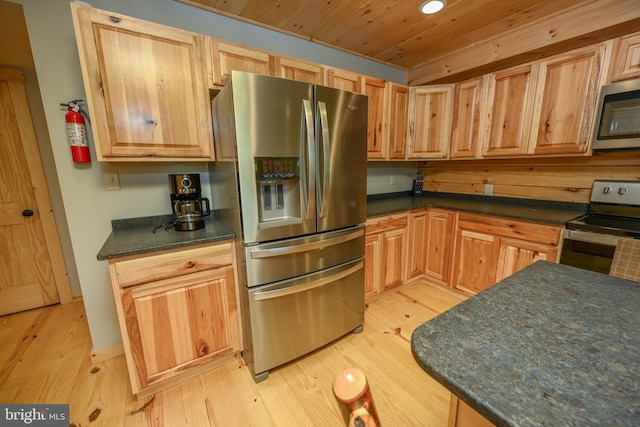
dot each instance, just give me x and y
(607, 189)
(623, 190)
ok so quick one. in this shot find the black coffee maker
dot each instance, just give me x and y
(189, 208)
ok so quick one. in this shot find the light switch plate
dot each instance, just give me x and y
(111, 180)
(488, 189)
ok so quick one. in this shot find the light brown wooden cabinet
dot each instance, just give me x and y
(345, 80)
(146, 88)
(509, 102)
(466, 121)
(565, 98)
(296, 69)
(178, 313)
(626, 57)
(430, 244)
(439, 244)
(417, 242)
(385, 253)
(398, 116)
(430, 111)
(489, 249)
(228, 56)
(376, 91)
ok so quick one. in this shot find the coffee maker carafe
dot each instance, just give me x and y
(189, 208)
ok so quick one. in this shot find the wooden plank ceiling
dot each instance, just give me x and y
(395, 33)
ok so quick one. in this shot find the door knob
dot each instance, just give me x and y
(27, 212)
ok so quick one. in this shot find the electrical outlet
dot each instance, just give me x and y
(392, 179)
(111, 180)
(488, 189)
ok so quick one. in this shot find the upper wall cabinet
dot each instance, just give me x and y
(467, 112)
(565, 97)
(430, 110)
(345, 80)
(295, 69)
(146, 88)
(398, 114)
(509, 101)
(376, 92)
(626, 57)
(228, 56)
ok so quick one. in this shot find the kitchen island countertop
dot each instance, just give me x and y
(550, 345)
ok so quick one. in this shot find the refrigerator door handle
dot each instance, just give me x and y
(273, 252)
(261, 296)
(326, 150)
(307, 142)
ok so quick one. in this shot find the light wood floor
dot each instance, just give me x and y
(44, 359)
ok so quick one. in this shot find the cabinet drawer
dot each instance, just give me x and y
(157, 267)
(388, 222)
(506, 227)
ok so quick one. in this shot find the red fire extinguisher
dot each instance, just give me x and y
(77, 133)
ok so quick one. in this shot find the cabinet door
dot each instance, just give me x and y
(467, 108)
(295, 69)
(417, 244)
(345, 80)
(229, 57)
(438, 245)
(430, 110)
(398, 118)
(146, 88)
(475, 260)
(174, 326)
(393, 257)
(372, 265)
(375, 89)
(626, 57)
(567, 88)
(509, 101)
(517, 254)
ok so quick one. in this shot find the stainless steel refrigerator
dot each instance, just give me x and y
(290, 177)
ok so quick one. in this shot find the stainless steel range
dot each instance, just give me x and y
(614, 213)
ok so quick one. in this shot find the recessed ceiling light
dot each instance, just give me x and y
(432, 6)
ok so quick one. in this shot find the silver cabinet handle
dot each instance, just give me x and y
(585, 236)
(268, 253)
(261, 296)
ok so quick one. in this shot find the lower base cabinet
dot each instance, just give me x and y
(466, 251)
(489, 249)
(385, 253)
(463, 415)
(178, 314)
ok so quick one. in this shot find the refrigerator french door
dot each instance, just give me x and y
(293, 158)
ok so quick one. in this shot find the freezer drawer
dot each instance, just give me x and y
(293, 317)
(272, 262)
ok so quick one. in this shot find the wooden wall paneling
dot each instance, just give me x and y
(562, 179)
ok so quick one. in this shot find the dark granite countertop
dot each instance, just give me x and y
(526, 209)
(550, 345)
(135, 236)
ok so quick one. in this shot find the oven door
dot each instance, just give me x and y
(588, 250)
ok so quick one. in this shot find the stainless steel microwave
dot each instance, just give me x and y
(618, 117)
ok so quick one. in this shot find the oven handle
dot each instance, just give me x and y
(261, 296)
(588, 237)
